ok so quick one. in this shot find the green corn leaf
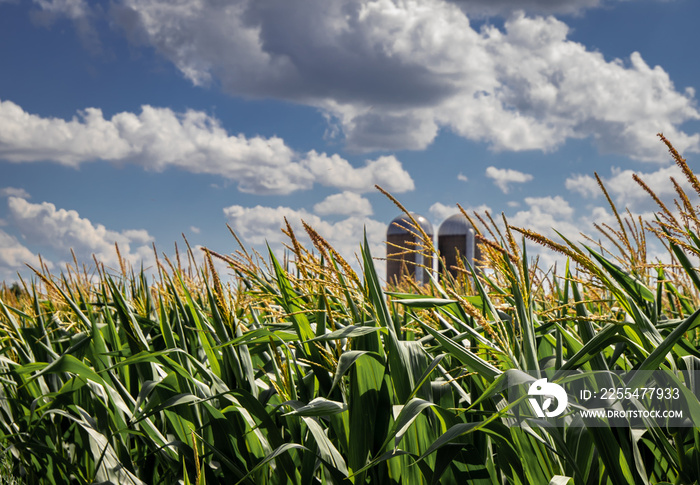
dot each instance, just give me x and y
(560, 480)
(466, 357)
(654, 360)
(318, 407)
(327, 452)
(348, 332)
(277, 452)
(347, 359)
(592, 348)
(68, 363)
(204, 333)
(407, 415)
(108, 467)
(632, 285)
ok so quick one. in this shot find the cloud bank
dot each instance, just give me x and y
(158, 139)
(14, 256)
(629, 194)
(260, 224)
(391, 75)
(60, 229)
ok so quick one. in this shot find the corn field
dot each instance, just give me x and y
(308, 372)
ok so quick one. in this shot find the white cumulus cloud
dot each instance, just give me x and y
(260, 224)
(556, 206)
(334, 171)
(440, 211)
(14, 192)
(158, 139)
(549, 215)
(503, 177)
(61, 230)
(585, 185)
(627, 193)
(14, 256)
(345, 203)
(391, 74)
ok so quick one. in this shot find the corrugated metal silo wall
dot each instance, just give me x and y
(450, 248)
(428, 263)
(478, 255)
(400, 265)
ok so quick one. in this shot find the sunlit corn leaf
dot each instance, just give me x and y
(466, 357)
(348, 332)
(108, 468)
(317, 407)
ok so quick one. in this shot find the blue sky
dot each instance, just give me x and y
(134, 121)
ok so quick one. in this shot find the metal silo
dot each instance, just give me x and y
(405, 255)
(456, 240)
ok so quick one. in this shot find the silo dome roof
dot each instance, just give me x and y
(402, 225)
(455, 225)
